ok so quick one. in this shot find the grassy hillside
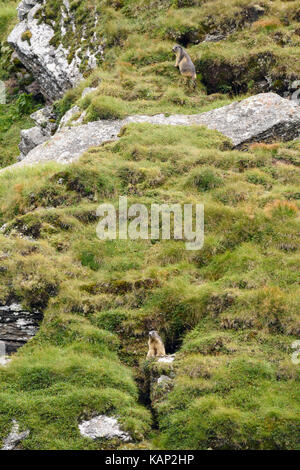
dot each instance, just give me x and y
(230, 311)
(259, 52)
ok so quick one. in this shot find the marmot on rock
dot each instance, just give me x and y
(185, 64)
(156, 346)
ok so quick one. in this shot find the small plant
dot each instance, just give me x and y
(258, 177)
(26, 36)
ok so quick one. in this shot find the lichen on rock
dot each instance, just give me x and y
(103, 427)
(43, 45)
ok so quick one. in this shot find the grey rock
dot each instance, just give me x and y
(164, 380)
(17, 326)
(295, 97)
(30, 138)
(215, 37)
(261, 118)
(15, 437)
(103, 427)
(167, 359)
(45, 119)
(49, 65)
(25, 6)
(295, 85)
(69, 115)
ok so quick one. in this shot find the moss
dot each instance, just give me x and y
(26, 36)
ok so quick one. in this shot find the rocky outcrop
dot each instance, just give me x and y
(103, 427)
(53, 66)
(45, 127)
(17, 326)
(262, 118)
(31, 138)
(15, 437)
(161, 378)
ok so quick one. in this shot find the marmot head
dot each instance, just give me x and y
(177, 48)
(153, 334)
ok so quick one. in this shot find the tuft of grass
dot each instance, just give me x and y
(204, 179)
(105, 107)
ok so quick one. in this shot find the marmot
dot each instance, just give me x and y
(184, 62)
(156, 346)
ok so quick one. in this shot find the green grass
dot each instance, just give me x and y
(7, 15)
(137, 74)
(230, 310)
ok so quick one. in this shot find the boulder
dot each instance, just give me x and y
(265, 117)
(103, 427)
(54, 67)
(31, 138)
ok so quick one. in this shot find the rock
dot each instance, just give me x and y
(15, 437)
(45, 118)
(164, 380)
(295, 85)
(31, 138)
(17, 326)
(45, 127)
(103, 427)
(215, 37)
(167, 359)
(261, 118)
(50, 65)
(69, 115)
(296, 97)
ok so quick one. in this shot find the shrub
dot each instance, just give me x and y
(204, 179)
(258, 177)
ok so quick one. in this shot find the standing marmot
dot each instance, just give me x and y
(156, 346)
(185, 64)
